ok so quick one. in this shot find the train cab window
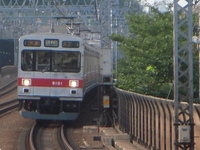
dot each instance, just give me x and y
(27, 61)
(43, 61)
(66, 61)
(51, 61)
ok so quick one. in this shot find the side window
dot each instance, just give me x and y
(27, 60)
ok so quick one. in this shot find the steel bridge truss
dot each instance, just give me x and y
(18, 17)
(183, 74)
(26, 16)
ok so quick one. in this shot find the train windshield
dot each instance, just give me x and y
(51, 61)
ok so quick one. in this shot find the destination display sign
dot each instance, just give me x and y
(51, 42)
(70, 44)
(32, 43)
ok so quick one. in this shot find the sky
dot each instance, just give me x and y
(182, 2)
(152, 1)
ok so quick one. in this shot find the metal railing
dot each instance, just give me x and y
(150, 120)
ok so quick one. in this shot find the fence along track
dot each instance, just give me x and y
(150, 120)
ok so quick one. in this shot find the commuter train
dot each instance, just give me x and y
(55, 71)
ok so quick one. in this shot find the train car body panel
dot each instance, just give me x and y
(56, 87)
(106, 66)
(55, 71)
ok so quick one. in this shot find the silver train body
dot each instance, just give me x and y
(55, 71)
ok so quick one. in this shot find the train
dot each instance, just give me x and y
(55, 72)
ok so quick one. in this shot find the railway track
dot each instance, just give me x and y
(8, 107)
(69, 136)
(48, 136)
(9, 87)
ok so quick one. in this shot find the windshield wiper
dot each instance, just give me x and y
(45, 69)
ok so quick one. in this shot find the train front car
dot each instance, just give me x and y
(50, 76)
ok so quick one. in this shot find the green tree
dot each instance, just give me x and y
(147, 65)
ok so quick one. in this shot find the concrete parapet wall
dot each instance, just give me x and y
(9, 70)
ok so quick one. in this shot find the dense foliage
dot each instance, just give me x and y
(147, 63)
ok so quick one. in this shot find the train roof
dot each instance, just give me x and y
(51, 35)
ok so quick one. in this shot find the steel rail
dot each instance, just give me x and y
(8, 84)
(64, 140)
(30, 141)
(4, 92)
(34, 131)
(8, 107)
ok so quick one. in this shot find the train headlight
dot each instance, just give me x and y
(73, 83)
(26, 82)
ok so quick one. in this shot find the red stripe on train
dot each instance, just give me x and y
(40, 82)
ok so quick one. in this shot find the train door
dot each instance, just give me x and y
(42, 77)
(58, 74)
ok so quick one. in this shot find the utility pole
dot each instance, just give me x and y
(183, 75)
